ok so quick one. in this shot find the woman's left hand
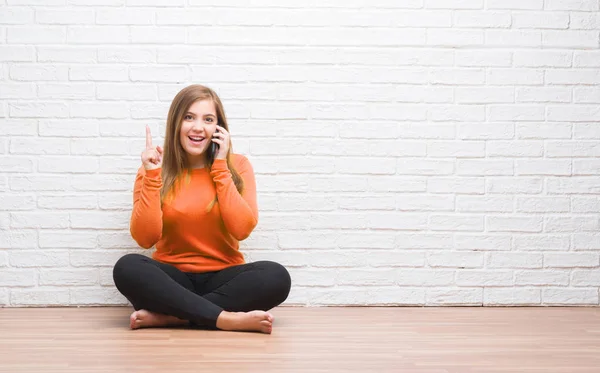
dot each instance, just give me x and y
(221, 137)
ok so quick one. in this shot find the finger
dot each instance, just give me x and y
(159, 149)
(148, 137)
(266, 323)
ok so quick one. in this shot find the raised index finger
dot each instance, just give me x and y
(148, 138)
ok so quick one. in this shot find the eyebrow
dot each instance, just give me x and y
(206, 115)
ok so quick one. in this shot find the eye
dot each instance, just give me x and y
(187, 117)
(209, 119)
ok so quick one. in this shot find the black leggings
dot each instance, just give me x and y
(200, 297)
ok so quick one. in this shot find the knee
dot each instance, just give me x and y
(280, 279)
(125, 267)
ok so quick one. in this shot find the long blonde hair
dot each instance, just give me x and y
(174, 162)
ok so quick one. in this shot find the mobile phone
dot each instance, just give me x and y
(214, 148)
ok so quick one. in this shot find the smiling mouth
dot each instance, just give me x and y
(196, 139)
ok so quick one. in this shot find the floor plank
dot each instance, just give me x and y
(336, 339)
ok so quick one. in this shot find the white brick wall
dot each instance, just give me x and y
(420, 152)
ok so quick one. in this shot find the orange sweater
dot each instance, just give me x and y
(185, 235)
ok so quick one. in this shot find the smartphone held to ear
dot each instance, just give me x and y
(212, 152)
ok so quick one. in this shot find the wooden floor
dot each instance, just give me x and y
(432, 340)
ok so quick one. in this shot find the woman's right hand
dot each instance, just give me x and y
(151, 156)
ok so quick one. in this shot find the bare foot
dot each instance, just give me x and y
(147, 319)
(256, 321)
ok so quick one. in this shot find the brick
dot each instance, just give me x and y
(487, 277)
(424, 167)
(98, 35)
(365, 240)
(583, 204)
(570, 39)
(17, 53)
(452, 296)
(543, 94)
(74, 91)
(456, 38)
(544, 130)
(586, 131)
(573, 148)
(580, 76)
(568, 296)
(462, 185)
(96, 296)
(17, 239)
(515, 4)
(473, 95)
(485, 242)
(586, 95)
(70, 277)
(14, 164)
(542, 58)
(513, 38)
(586, 277)
(485, 167)
(483, 58)
(479, 19)
(515, 148)
(423, 240)
(99, 110)
(290, 240)
(69, 128)
(365, 277)
(126, 54)
(18, 91)
(514, 260)
(157, 35)
(67, 201)
(64, 16)
(516, 113)
(98, 73)
(543, 167)
(585, 20)
(570, 260)
(543, 242)
(39, 183)
(513, 224)
(512, 296)
(124, 16)
(484, 204)
(41, 296)
(455, 260)
(542, 277)
(36, 34)
(486, 131)
(586, 167)
(412, 202)
(545, 20)
(302, 202)
(572, 5)
(17, 277)
(38, 73)
(456, 223)
(13, 202)
(79, 54)
(68, 239)
(543, 204)
(571, 224)
(586, 241)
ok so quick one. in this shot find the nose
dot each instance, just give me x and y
(199, 126)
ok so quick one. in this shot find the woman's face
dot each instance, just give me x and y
(198, 126)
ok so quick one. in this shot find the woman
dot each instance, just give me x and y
(195, 200)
